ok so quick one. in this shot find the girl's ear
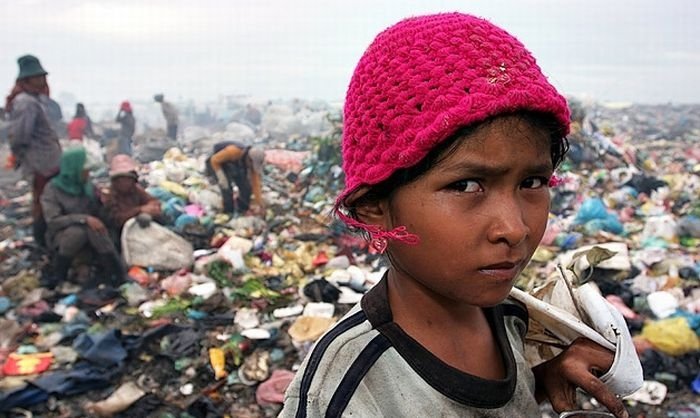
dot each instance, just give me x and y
(373, 212)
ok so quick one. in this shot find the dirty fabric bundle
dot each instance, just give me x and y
(155, 246)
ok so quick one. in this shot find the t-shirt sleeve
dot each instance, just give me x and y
(292, 407)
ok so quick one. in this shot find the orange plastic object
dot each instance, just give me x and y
(217, 358)
(139, 275)
(320, 259)
(11, 162)
(22, 364)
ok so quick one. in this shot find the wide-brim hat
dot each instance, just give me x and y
(29, 66)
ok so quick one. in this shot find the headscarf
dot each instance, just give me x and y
(70, 178)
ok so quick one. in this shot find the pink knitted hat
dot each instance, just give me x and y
(423, 79)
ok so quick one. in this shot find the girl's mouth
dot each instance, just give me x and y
(505, 271)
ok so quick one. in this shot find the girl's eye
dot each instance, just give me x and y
(466, 186)
(535, 182)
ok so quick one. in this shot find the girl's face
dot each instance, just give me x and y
(123, 184)
(480, 213)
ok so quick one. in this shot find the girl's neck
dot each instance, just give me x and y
(416, 306)
(457, 333)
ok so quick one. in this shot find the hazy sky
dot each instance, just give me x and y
(107, 50)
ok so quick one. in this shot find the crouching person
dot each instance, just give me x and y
(126, 198)
(71, 211)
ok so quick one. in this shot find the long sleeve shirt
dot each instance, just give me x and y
(128, 124)
(62, 210)
(32, 140)
(231, 154)
(122, 207)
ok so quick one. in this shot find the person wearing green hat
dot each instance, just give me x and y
(33, 141)
(72, 212)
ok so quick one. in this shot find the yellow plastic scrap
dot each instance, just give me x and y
(221, 218)
(542, 255)
(672, 336)
(174, 154)
(649, 165)
(217, 358)
(174, 188)
(195, 181)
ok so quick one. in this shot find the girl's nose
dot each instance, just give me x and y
(508, 224)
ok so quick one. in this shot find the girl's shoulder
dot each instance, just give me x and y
(335, 351)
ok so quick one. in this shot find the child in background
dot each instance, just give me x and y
(451, 135)
(81, 125)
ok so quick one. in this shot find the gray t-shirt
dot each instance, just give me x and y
(367, 366)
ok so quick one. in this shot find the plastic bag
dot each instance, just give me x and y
(589, 210)
(672, 336)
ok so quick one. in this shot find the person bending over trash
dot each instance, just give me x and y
(232, 164)
(170, 114)
(71, 210)
(451, 135)
(126, 198)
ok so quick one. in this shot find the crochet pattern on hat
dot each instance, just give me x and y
(423, 79)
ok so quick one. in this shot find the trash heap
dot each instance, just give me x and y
(219, 310)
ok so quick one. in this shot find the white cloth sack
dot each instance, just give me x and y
(155, 246)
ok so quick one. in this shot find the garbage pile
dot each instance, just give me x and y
(220, 310)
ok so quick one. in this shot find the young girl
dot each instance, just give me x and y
(451, 135)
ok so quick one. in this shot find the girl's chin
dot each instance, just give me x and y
(484, 299)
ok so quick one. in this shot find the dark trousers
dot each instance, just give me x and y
(236, 174)
(71, 240)
(172, 131)
(124, 145)
(38, 222)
